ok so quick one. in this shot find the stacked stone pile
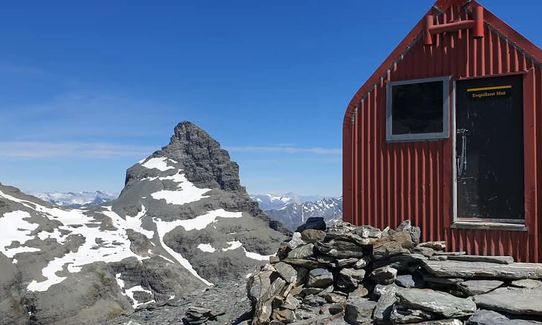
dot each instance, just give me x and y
(364, 275)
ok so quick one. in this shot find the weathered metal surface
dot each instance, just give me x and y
(385, 183)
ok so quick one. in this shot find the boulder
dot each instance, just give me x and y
(296, 240)
(385, 304)
(313, 235)
(414, 232)
(302, 251)
(317, 223)
(435, 245)
(474, 270)
(436, 302)
(489, 317)
(384, 275)
(409, 281)
(478, 287)
(404, 315)
(320, 278)
(347, 262)
(340, 249)
(349, 279)
(480, 258)
(359, 311)
(516, 301)
(526, 283)
(287, 272)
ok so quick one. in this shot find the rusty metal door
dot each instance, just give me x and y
(489, 149)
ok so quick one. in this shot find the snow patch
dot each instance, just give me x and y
(130, 293)
(16, 229)
(163, 228)
(201, 222)
(157, 163)
(233, 245)
(206, 248)
(186, 193)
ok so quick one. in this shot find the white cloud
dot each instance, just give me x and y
(287, 149)
(33, 149)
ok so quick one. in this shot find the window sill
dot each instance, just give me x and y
(488, 225)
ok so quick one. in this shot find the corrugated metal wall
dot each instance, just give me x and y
(385, 183)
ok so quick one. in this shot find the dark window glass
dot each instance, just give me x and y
(417, 108)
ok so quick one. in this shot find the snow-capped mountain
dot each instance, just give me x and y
(279, 201)
(183, 222)
(294, 214)
(76, 199)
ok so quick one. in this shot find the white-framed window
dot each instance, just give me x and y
(418, 110)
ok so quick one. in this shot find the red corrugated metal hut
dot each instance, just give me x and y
(446, 133)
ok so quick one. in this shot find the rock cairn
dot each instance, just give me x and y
(364, 275)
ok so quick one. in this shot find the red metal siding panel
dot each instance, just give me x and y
(385, 183)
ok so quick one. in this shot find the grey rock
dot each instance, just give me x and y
(361, 263)
(317, 223)
(404, 315)
(514, 301)
(347, 262)
(385, 303)
(291, 302)
(340, 249)
(296, 240)
(397, 243)
(349, 279)
(359, 311)
(320, 278)
(414, 232)
(409, 281)
(526, 283)
(442, 322)
(264, 306)
(435, 245)
(287, 272)
(473, 270)
(301, 252)
(344, 231)
(477, 287)
(313, 235)
(489, 317)
(480, 258)
(384, 275)
(436, 302)
(283, 315)
(334, 297)
(302, 262)
(381, 289)
(360, 292)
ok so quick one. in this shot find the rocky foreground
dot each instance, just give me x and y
(363, 275)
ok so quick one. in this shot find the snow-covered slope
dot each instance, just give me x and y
(76, 199)
(182, 222)
(294, 214)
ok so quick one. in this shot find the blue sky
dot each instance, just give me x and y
(89, 88)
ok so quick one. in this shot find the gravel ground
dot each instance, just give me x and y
(229, 298)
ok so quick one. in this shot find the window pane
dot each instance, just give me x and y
(417, 108)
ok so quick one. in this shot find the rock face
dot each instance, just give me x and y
(368, 276)
(182, 223)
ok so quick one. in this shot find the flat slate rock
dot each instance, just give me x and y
(436, 302)
(515, 301)
(478, 287)
(526, 283)
(481, 258)
(474, 270)
(490, 317)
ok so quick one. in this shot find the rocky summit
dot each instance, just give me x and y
(362, 275)
(183, 227)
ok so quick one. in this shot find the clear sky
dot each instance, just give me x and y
(87, 88)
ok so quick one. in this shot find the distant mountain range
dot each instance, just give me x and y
(76, 199)
(293, 210)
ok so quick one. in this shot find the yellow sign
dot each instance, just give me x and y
(495, 91)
